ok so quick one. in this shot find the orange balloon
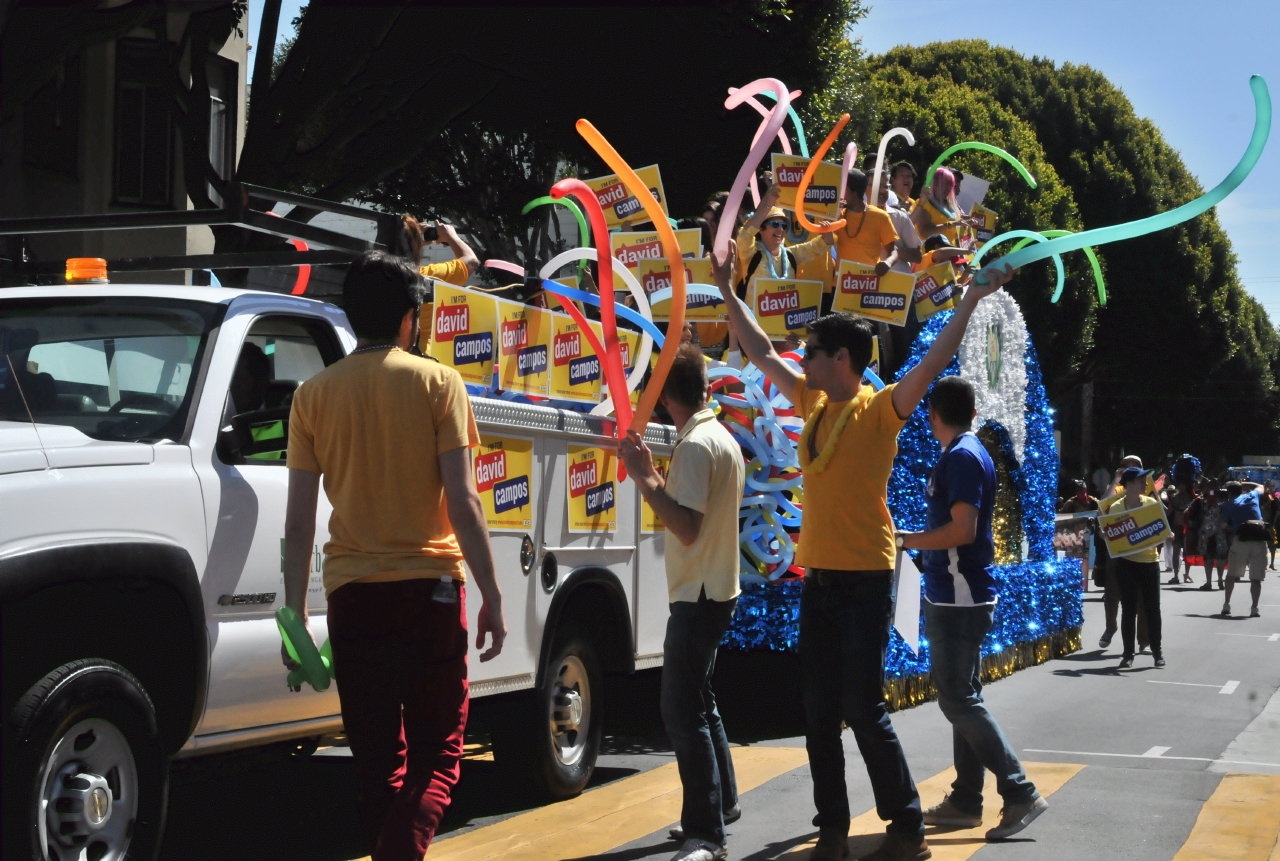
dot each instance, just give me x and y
(659, 218)
(808, 177)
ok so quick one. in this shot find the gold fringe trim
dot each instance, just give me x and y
(907, 691)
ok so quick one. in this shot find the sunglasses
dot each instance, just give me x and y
(818, 348)
(774, 222)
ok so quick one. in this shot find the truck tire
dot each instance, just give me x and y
(86, 777)
(554, 735)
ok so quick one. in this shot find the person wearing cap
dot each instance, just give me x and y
(938, 249)
(1110, 585)
(868, 235)
(1241, 516)
(1138, 576)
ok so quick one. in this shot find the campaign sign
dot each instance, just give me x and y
(629, 344)
(884, 298)
(655, 275)
(592, 489)
(935, 290)
(783, 307)
(617, 201)
(463, 330)
(650, 522)
(503, 470)
(984, 232)
(821, 198)
(1130, 531)
(632, 248)
(576, 370)
(524, 347)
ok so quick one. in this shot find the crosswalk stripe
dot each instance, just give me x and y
(867, 831)
(1238, 822)
(608, 816)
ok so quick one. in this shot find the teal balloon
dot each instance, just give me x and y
(1031, 236)
(583, 232)
(985, 147)
(1093, 261)
(795, 121)
(1164, 220)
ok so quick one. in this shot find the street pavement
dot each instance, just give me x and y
(1145, 765)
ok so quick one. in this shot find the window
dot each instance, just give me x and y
(278, 355)
(114, 369)
(144, 124)
(222, 120)
(51, 123)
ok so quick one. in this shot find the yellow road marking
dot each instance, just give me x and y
(606, 817)
(951, 844)
(1238, 822)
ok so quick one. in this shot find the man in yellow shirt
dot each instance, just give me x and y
(868, 235)
(1138, 575)
(847, 547)
(393, 572)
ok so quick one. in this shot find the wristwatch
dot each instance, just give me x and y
(899, 541)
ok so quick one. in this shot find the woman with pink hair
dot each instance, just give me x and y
(937, 211)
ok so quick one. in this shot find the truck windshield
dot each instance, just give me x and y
(114, 368)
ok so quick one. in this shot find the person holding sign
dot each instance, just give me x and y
(698, 505)
(870, 238)
(391, 436)
(959, 609)
(847, 548)
(1137, 575)
(937, 211)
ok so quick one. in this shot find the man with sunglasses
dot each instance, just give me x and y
(847, 546)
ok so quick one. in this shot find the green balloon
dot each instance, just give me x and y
(1093, 261)
(1143, 226)
(1031, 236)
(583, 233)
(985, 147)
(315, 670)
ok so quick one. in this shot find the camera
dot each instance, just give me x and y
(430, 233)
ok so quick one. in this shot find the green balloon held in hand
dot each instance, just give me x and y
(1186, 212)
(317, 664)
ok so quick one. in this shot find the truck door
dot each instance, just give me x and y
(243, 582)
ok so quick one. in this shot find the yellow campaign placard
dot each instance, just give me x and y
(655, 275)
(575, 367)
(503, 469)
(632, 247)
(592, 489)
(1130, 531)
(884, 298)
(821, 198)
(935, 290)
(784, 307)
(629, 344)
(617, 201)
(524, 347)
(463, 328)
(986, 230)
(874, 364)
(650, 522)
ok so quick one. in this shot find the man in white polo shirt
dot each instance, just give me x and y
(698, 502)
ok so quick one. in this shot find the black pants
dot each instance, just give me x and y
(844, 630)
(1139, 582)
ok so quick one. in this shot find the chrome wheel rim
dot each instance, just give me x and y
(88, 800)
(570, 711)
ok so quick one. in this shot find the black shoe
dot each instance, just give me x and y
(1174, 582)
(897, 847)
(731, 816)
(1208, 587)
(1159, 660)
(1126, 662)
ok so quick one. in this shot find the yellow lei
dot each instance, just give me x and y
(813, 467)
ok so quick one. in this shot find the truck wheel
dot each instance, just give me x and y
(556, 734)
(86, 778)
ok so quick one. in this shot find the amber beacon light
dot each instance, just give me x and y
(86, 270)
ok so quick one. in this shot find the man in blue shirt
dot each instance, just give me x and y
(959, 608)
(1242, 517)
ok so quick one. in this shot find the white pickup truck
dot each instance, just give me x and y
(141, 523)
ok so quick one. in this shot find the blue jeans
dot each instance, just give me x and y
(955, 637)
(694, 631)
(844, 631)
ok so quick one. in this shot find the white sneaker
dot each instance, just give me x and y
(1226, 609)
(700, 850)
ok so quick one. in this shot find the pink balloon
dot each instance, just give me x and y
(759, 147)
(505, 266)
(850, 156)
(782, 135)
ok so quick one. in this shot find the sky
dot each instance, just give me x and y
(1183, 65)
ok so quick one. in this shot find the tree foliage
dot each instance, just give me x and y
(1181, 352)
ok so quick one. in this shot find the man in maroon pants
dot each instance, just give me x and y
(390, 434)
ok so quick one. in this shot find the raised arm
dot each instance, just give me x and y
(467, 516)
(751, 338)
(911, 389)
